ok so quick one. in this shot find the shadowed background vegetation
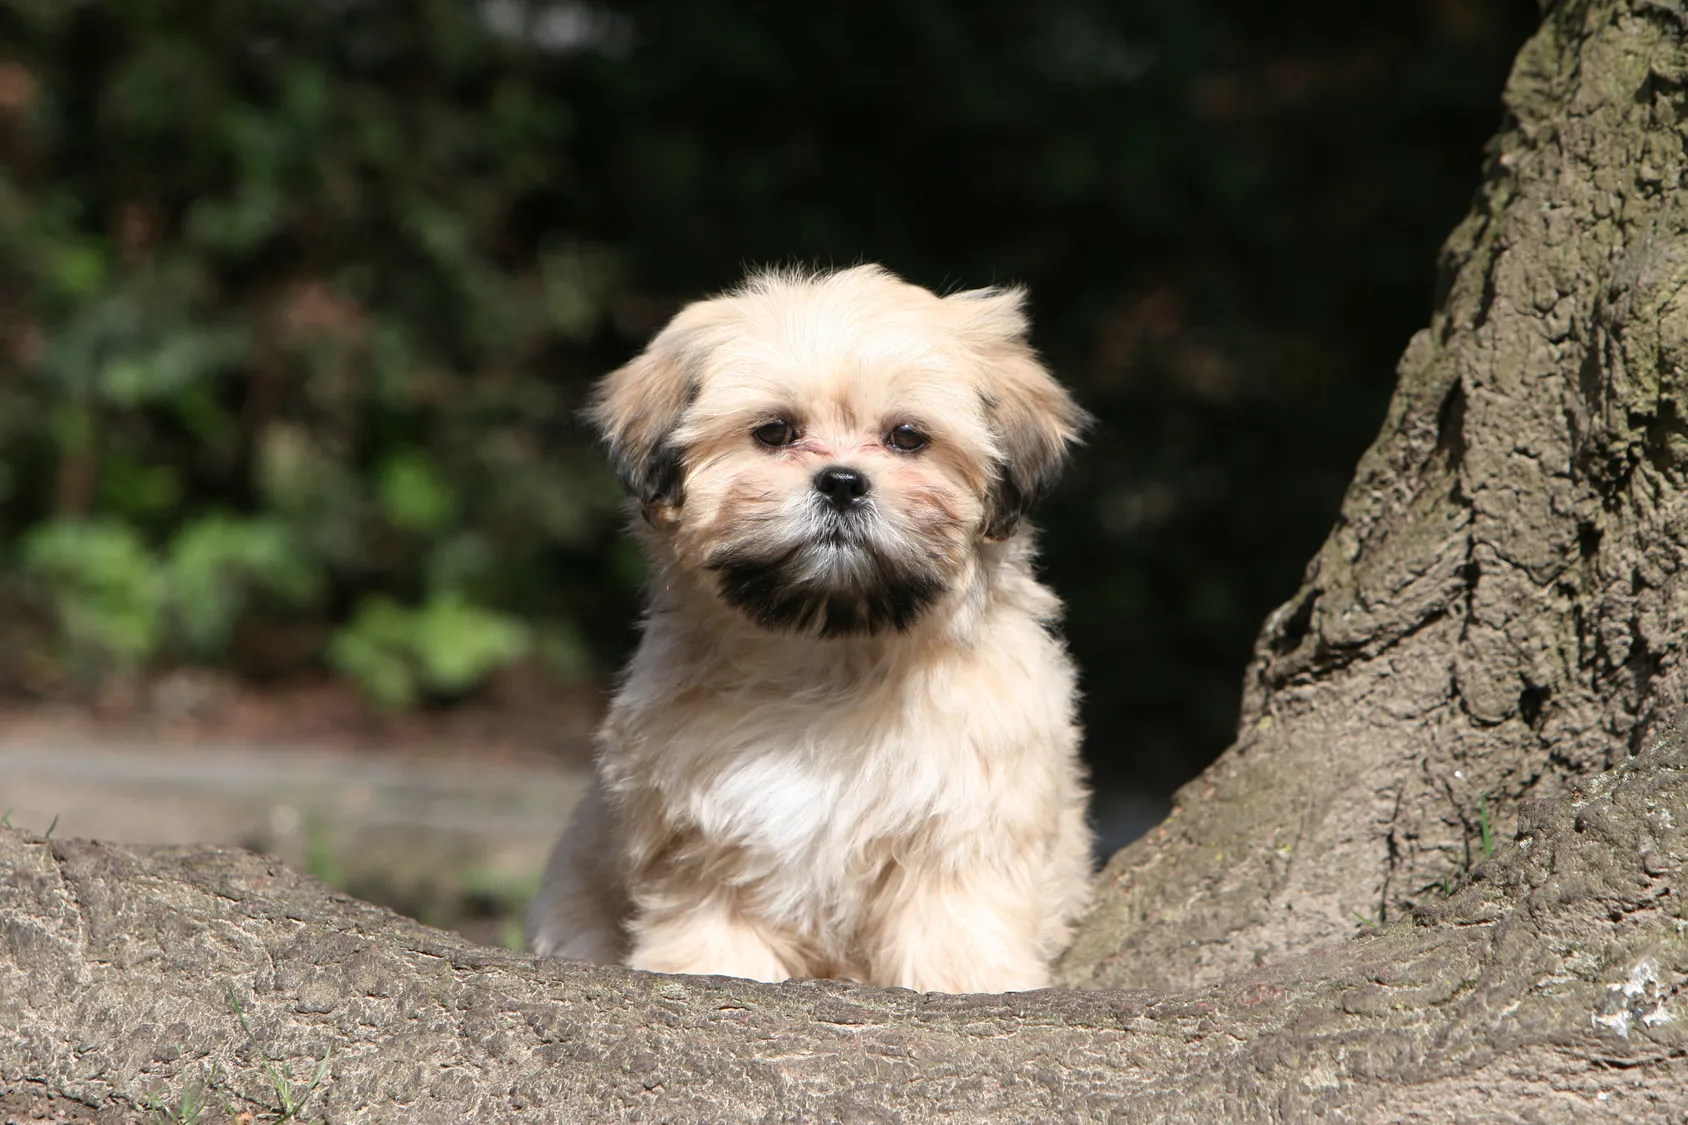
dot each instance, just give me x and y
(298, 298)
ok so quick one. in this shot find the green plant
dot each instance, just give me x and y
(414, 495)
(1486, 846)
(290, 1097)
(119, 603)
(217, 562)
(190, 1106)
(104, 586)
(444, 646)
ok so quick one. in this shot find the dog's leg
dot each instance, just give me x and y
(710, 936)
(581, 908)
(974, 930)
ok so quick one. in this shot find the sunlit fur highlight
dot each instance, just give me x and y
(846, 743)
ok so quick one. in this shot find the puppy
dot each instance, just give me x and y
(846, 744)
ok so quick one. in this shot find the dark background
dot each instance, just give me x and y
(298, 297)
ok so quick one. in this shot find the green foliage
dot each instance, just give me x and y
(298, 301)
(189, 1108)
(290, 1095)
(443, 647)
(217, 563)
(104, 586)
(119, 603)
(414, 496)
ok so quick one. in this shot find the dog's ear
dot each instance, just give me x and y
(1034, 418)
(636, 408)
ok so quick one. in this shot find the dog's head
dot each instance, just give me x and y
(833, 451)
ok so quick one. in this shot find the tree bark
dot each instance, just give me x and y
(1487, 648)
(1500, 609)
(1544, 989)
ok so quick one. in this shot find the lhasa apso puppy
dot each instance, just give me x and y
(846, 744)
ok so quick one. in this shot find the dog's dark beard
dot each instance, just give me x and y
(773, 590)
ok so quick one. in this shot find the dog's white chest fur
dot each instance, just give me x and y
(813, 806)
(804, 788)
(781, 803)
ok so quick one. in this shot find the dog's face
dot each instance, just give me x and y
(830, 452)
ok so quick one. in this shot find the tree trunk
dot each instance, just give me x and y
(1497, 619)
(1500, 610)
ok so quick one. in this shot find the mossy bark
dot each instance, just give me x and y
(1500, 611)
(1485, 653)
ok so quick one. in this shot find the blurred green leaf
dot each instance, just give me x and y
(217, 562)
(379, 662)
(171, 364)
(119, 350)
(463, 561)
(446, 646)
(135, 491)
(79, 270)
(105, 586)
(71, 426)
(414, 495)
(237, 223)
(457, 644)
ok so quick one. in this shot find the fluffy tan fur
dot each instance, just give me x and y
(846, 744)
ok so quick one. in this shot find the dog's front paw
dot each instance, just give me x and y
(706, 941)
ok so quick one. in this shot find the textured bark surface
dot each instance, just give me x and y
(1489, 645)
(1500, 610)
(1543, 990)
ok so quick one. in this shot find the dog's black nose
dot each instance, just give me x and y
(843, 488)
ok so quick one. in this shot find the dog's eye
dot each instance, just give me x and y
(906, 438)
(775, 434)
